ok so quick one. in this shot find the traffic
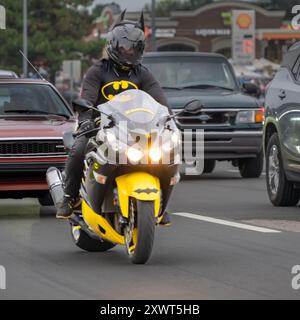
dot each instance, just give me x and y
(158, 161)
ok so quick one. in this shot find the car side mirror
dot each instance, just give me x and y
(250, 88)
(193, 107)
(81, 104)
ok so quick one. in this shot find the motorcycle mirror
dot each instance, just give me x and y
(79, 104)
(193, 107)
(165, 119)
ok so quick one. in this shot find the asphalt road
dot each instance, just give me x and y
(220, 256)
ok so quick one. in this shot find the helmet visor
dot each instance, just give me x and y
(130, 52)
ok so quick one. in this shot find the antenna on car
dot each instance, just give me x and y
(33, 67)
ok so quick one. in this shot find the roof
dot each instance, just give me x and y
(4, 74)
(182, 54)
(295, 46)
(24, 81)
(291, 56)
(277, 34)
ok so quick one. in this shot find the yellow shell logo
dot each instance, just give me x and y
(244, 21)
(111, 89)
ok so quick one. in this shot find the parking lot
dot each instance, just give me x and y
(226, 242)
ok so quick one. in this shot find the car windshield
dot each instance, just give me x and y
(30, 99)
(192, 72)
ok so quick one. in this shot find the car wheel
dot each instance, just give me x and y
(281, 191)
(252, 168)
(209, 166)
(45, 199)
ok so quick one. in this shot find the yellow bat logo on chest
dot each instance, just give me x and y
(111, 89)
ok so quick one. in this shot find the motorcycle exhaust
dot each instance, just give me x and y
(55, 182)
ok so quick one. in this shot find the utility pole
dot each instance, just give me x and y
(153, 25)
(25, 38)
(2, 18)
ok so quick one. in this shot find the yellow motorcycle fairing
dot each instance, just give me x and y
(141, 186)
(100, 225)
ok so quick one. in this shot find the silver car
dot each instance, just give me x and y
(6, 74)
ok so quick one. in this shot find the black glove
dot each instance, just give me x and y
(86, 128)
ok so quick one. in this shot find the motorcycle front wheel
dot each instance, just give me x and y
(139, 234)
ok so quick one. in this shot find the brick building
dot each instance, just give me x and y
(209, 29)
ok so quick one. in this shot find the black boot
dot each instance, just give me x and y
(166, 220)
(65, 209)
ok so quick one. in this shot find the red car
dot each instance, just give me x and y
(33, 119)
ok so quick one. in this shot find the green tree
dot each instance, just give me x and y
(96, 13)
(285, 5)
(164, 7)
(11, 38)
(56, 30)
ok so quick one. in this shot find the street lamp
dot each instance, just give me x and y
(25, 38)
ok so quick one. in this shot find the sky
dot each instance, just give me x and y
(136, 5)
(131, 5)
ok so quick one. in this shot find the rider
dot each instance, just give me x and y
(121, 71)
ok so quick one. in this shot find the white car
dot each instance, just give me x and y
(6, 74)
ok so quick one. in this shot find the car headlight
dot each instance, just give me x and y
(250, 116)
(245, 116)
(155, 154)
(134, 154)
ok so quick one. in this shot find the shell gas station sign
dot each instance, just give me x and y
(2, 18)
(243, 36)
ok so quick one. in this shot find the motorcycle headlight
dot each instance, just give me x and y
(112, 141)
(172, 141)
(155, 154)
(111, 137)
(134, 154)
(175, 137)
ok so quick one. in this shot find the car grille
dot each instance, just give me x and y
(208, 118)
(31, 148)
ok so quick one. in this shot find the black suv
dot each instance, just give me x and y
(231, 120)
(282, 132)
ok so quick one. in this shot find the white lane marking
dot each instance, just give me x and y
(225, 222)
(237, 171)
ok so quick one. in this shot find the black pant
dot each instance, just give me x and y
(74, 166)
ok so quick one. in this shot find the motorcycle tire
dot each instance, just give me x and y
(145, 232)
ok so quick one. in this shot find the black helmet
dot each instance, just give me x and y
(126, 42)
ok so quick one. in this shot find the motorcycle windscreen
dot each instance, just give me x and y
(136, 108)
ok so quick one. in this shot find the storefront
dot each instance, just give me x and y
(209, 29)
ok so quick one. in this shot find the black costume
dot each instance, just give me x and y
(122, 71)
(103, 81)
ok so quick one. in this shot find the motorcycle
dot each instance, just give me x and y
(130, 169)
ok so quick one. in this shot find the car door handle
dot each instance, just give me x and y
(282, 94)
